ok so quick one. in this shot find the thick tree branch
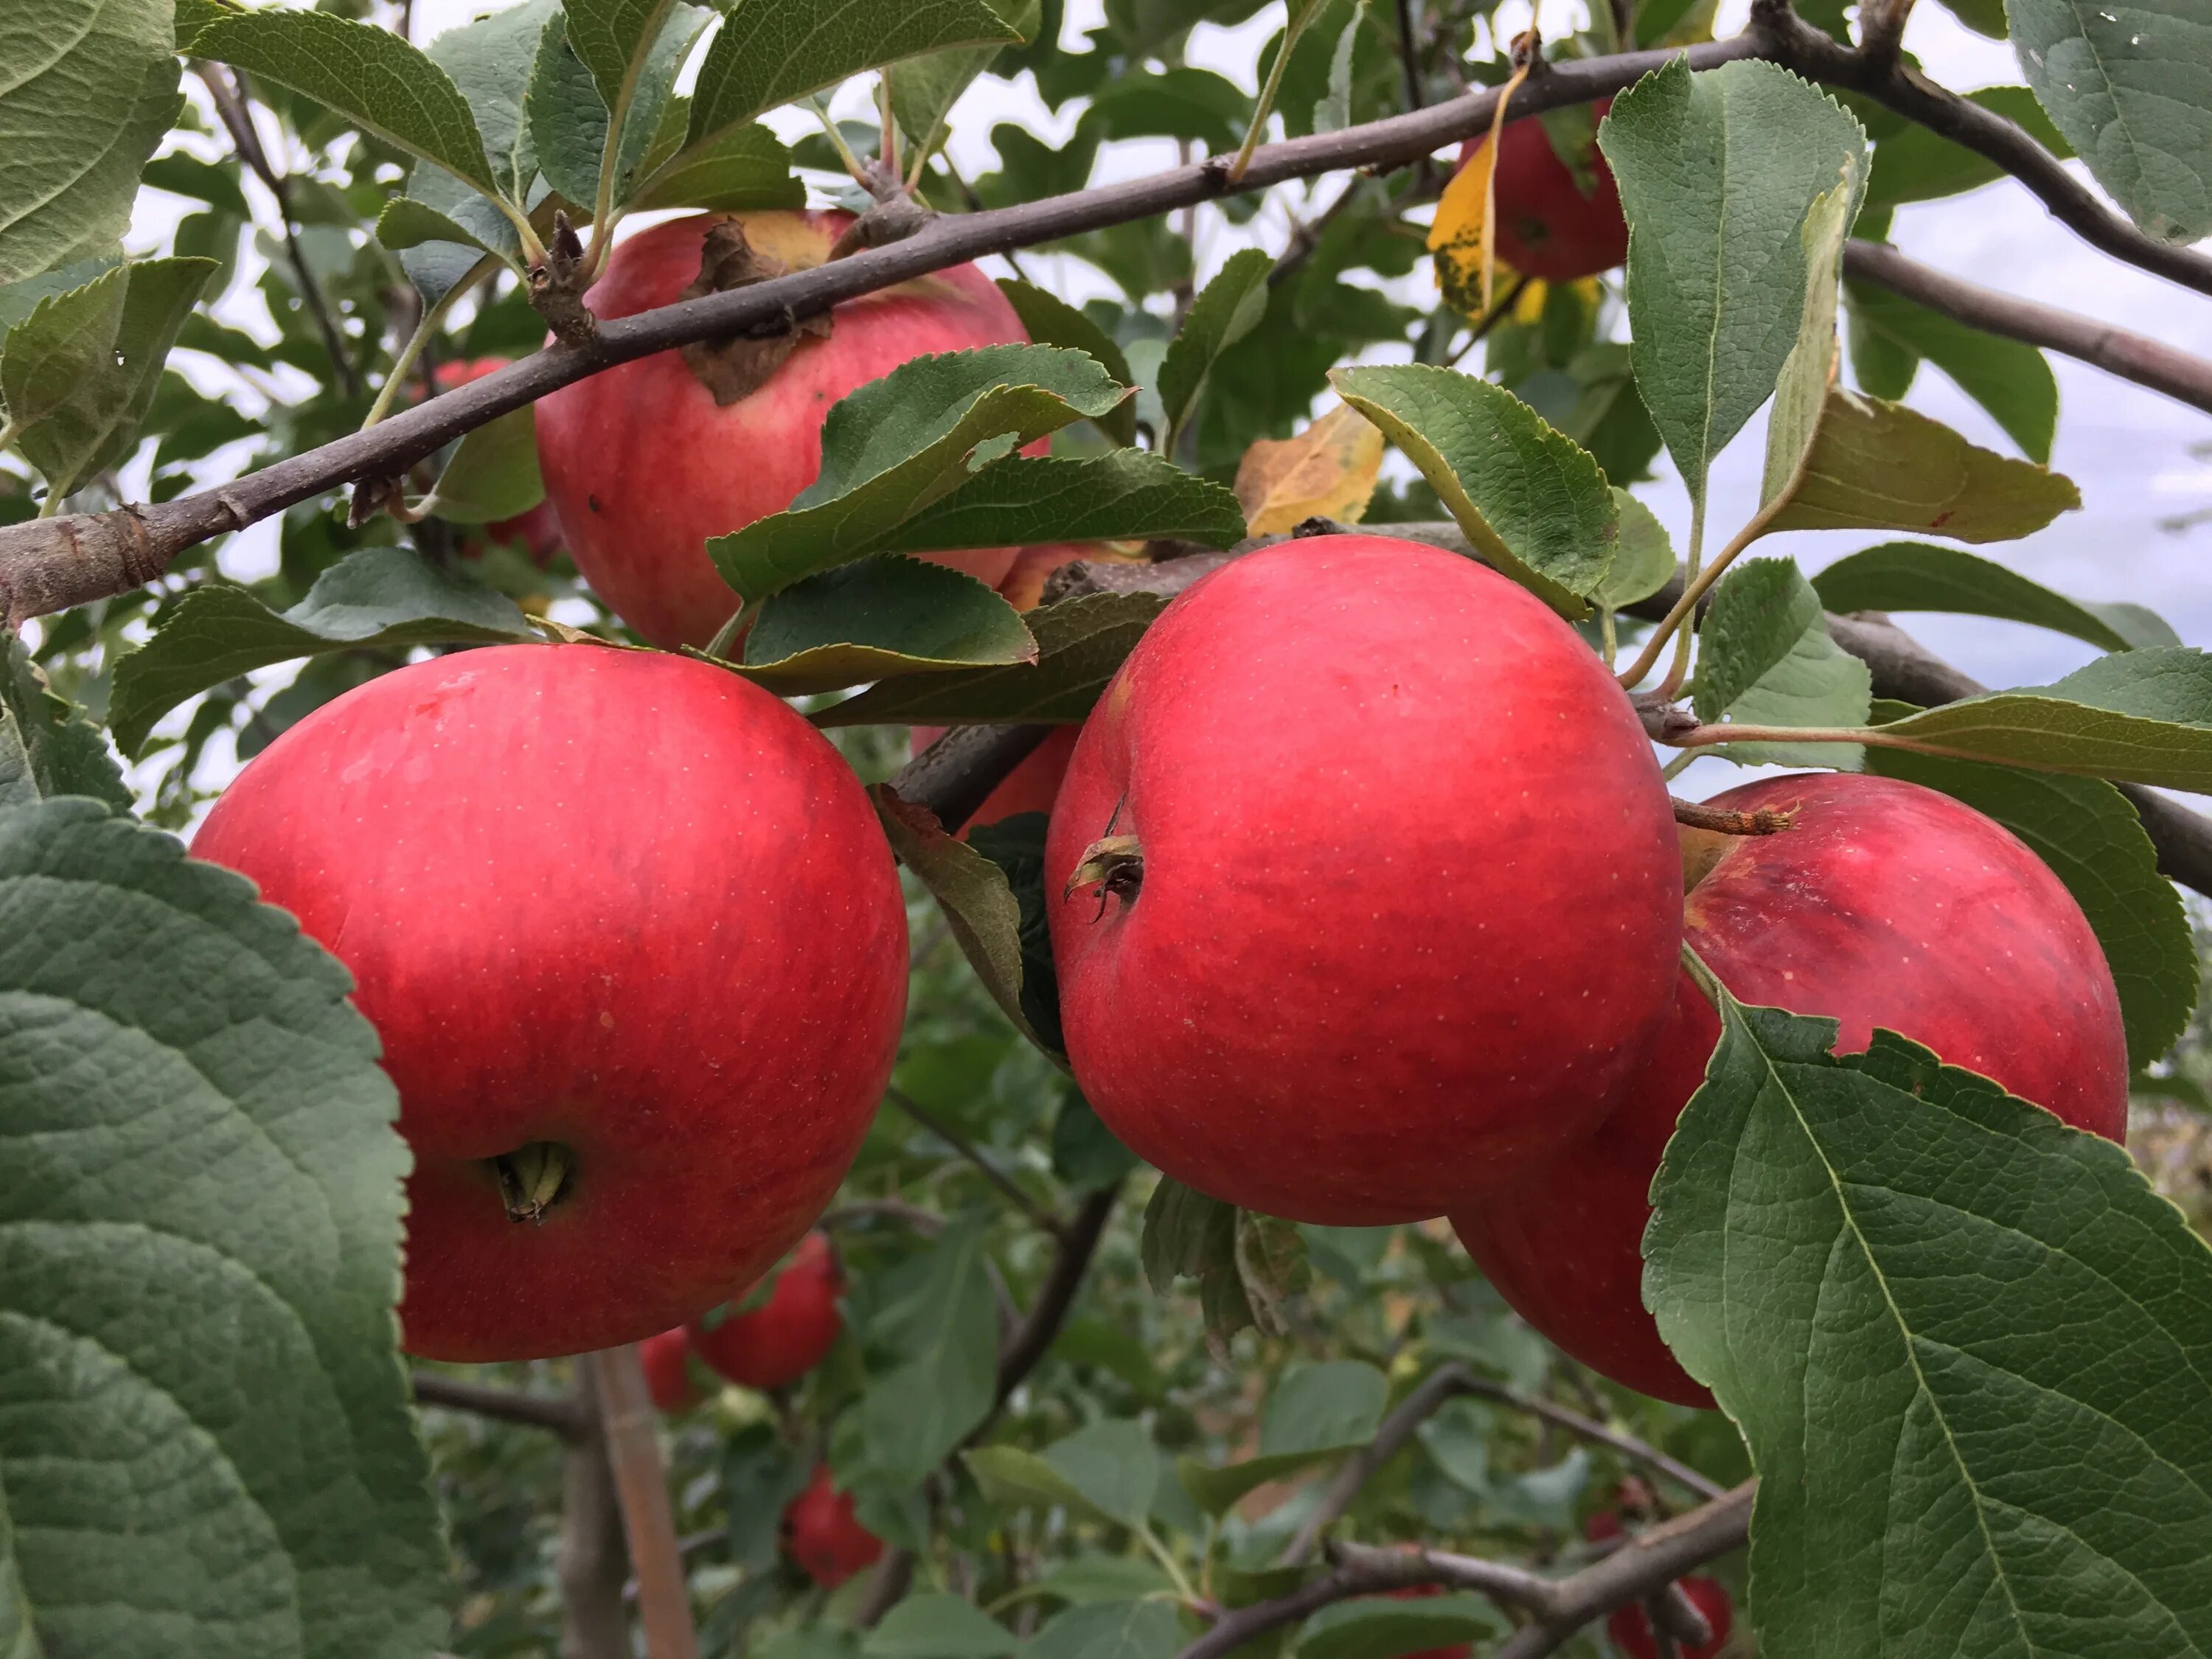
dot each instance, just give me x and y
(1788, 40)
(48, 565)
(1642, 1567)
(567, 1418)
(2117, 351)
(1452, 1382)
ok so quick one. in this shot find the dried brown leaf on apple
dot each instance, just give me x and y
(738, 365)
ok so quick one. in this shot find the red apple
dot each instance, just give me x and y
(667, 1361)
(1887, 904)
(1031, 787)
(822, 1536)
(1553, 223)
(536, 530)
(632, 938)
(1391, 901)
(786, 1336)
(1630, 1629)
(643, 465)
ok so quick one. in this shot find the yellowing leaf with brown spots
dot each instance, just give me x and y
(1327, 471)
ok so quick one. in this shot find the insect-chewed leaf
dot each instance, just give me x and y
(1995, 1287)
(1328, 472)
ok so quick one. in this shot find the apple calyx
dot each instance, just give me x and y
(532, 1178)
(738, 365)
(1115, 865)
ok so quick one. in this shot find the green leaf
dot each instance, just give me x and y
(1013, 1478)
(745, 169)
(2131, 86)
(2008, 378)
(484, 58)
(1998, 1289)
(78, 373)
(90, 88)
(1879, 466)
(1531, 500)
(1109, 1630)
(2088, 832)
(1716, 171)
(1324, 1407)
(1382, 1627)
(1016, 845)
(1765, 658)
(879, 619)
(904, 442)
(2140, 716)
(771, 52)
(568, 118)
(369, 75)
(209, 1448)
(1801, 391)
(1643, 560)
(936, 1625)
(405, 223)
(924, 89)
(975, 896)
(1130, 494)
(1080, 643)
(378, 598)
(608, 37)
(1089, 1579)
(1916, 164)
(1922, 576)
(493, 474)
(934, 1324)
(1195, 105)
(1226, 309)
(1114, 1464)
(47, 746)
(1047, 320)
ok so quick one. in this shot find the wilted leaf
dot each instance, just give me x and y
(1328, 472)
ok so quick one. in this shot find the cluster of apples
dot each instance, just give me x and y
(1369, 901)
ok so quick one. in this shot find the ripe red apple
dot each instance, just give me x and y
(643, 465)
(1551, 223)
(667, 1361)
(1031, 787)
(632, 938)
(786, 1336)
(536, 530)
(1390, 899)
(822, 1536)
(1631, 1628)
(1885, 905)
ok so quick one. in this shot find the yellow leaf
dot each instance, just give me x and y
(1327, 471)
(1463, 235)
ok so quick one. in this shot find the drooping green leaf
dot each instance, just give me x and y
(405, 223)
(78, 373)
(1530, 499)
(1080, 643)
(1917, 164)
(771, 52)
(1801, 390)
(904, 442)
(1716, 171)
(1016, 845)
(1995, 1287)
(493, 473)
(935, 1625)
(877, 620)
(47, 746)
(2140, 716)
(1109, 1630)
(1382, 1627)
(2131, 86)
(208, 1448)
(1922, 576)
(2008, 378)
(1226, 309)
(1765, 658)
(370, 76)
(2088, 832)
(89, 88)
(1643, 560)
(1131, 494)
(381, 598)
(1879, 466)
(930, 1331)
(745, 169)
(974, 896)
(1047, 320)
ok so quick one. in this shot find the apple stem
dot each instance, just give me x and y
(532, 1178)
(1761, 821)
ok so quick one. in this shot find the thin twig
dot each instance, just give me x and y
(566, 1417)
(1409, 56)
(664, 1599)
(1049, 1312)
(969, 1149)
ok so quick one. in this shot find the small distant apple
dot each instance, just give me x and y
(822, 1536)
